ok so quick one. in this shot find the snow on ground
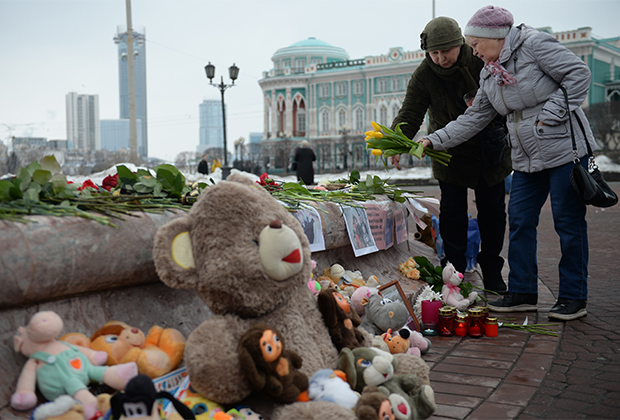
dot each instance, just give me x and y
(604, 163)
(394, 174)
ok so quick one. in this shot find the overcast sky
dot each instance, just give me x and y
(51, 47)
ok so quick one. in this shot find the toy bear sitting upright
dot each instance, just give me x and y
(248, 259)
(451, 291)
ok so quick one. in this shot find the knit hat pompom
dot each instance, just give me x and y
(440, 34)
(490, 22)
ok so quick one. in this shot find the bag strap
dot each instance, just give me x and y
(572, 132)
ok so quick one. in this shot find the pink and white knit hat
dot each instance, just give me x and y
(489, 22)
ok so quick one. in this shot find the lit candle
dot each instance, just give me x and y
(430, 313)
(475, 326)
(460, 327)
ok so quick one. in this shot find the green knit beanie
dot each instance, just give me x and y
(440, 34)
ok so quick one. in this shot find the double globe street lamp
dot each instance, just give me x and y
(233, 73)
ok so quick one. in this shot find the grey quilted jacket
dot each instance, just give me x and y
(540, 64)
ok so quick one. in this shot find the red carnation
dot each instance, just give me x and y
(88, 184)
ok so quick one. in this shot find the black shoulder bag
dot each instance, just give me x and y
(589, 183)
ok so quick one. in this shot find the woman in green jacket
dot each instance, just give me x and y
(449, 72)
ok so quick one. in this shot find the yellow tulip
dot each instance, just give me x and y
(375, 126)
(377, 152)
(377, 134)
(369, 133)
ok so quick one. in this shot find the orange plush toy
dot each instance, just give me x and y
(156, 354)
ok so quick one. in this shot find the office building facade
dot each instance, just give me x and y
(211, 125)
(115, 134)
(83, 126)
(139, 48)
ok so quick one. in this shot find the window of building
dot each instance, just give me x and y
(301, 121)
(359, 119)
(342, 118)
(300, 65)
(358, 87)
(341, 89)
(324, 121)
(381, 85)
(396, 84)
(395, 109)
(383, 117)
(324, 91)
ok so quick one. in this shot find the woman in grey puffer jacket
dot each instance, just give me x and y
(524, 69)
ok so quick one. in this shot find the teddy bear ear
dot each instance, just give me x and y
(173, 255)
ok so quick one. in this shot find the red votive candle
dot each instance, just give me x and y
(476, 326)
(491, 327)
(445, 327)
(460, 325)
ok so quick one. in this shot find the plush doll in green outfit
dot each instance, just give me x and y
(59, 368)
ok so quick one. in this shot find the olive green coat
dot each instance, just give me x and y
(438, 90)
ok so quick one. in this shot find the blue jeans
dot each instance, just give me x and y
(528, 194)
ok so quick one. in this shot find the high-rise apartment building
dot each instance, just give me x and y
(83, 129)
(211, 125)
(140, 77)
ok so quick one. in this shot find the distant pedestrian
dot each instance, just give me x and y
(303, 163)
(203, 166)
(216, 164)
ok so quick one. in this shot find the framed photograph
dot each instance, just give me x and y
(394, 291)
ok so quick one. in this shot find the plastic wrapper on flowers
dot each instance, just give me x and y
(385, 142)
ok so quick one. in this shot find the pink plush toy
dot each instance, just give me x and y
(59, 368)
(452, 292)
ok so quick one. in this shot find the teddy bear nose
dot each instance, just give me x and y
(275, 224)
(134, 330)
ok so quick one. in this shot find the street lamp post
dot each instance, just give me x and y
(233, 72)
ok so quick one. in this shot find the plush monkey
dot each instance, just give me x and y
(268, 366)
(341, 320)
(374, 405)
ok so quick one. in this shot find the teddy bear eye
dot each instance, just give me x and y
(268, 349)
(386, 301)
(111, 339)
(276, 338)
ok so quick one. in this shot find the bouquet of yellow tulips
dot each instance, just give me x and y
(386, 142)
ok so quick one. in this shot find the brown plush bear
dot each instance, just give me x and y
(249, 260)
(341, 320)
(269, 366)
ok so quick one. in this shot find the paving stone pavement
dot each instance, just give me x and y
(521, 375)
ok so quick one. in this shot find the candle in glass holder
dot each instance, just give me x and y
(445, 326)
(430, 315)
(460, 325)
(490, 327)
(475, 326)
(485, 312)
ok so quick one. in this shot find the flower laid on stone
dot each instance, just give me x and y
(385, 142)
(409, 269)
(41, 189)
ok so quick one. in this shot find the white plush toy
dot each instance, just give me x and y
(452, 292)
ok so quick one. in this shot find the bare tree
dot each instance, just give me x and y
(187, 161)
(605, 121)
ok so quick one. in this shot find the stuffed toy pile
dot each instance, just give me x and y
(248, 259)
